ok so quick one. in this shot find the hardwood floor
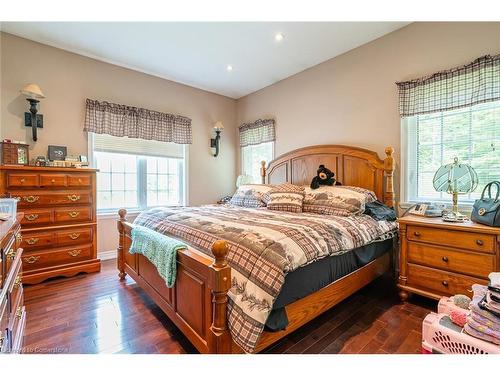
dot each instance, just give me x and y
(97, 313)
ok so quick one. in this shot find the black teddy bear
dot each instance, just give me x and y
(324, 177)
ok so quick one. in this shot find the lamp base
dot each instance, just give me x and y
(27, 120)
(455, 217)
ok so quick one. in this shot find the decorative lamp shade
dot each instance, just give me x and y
(32, 91)
(455, 178)
(219, 125)
(243, 179)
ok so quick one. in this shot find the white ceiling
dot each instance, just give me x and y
(197, 53)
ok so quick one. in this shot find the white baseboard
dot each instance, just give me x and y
(105, 255)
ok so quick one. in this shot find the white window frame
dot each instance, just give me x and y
(141, 183)
(408, 150)
(241, 155)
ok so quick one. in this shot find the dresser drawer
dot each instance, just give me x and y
(22, 180)
(464, 240)
(469, 263)
(18, 332)
(56, 180)
(75, 180)
(16, 306)
(72, 214)
(74, 236)
(37, 217)
(56, 257)
(35, 199)
(34, 240)
(440, 282)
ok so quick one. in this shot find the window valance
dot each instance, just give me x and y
(474, 83)
(260, 131)
(124, 121)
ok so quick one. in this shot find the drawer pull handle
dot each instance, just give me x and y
(74, 253)
(19, 239)
(445, 283)
(74, 198)
(19, 312)
(32, 241)
(80, 180)
(73, 214)
(22, 180)
(74, 236)
(53, 181)
(32, 259)
(31, 217)
(31, 198)
(480, 242)
(18, 281)
(445, 259)
(417, 234)
(11, 254)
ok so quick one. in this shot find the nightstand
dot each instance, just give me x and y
(438, 258)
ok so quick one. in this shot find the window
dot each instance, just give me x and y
(136, 173)
(251, 157)
(472, 134)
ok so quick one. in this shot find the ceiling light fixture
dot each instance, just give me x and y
(229, 68)
(279, 37)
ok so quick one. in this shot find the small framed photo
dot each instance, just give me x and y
(57, 152)
(83, 159)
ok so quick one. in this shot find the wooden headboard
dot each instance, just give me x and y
(352, 166)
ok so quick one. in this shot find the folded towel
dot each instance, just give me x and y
(494, 279)
(478, 326)
(159, 249)
(480, 335)
(479, 293)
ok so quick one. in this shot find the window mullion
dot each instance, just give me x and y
(142, 182)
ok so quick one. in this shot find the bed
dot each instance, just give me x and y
(198, 303)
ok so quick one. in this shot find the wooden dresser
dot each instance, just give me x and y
(442, 259)
(12, 312)
(59, 224)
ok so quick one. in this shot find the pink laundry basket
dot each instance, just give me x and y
(440, 335)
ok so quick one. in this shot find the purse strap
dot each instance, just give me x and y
(488, 186)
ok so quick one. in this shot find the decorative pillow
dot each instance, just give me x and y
(286, 197)
(250, 196)
(336, 200)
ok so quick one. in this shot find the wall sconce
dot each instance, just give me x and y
(214, 142)
(31, 118)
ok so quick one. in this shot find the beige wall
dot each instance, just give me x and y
(68, 79)
(352, 99)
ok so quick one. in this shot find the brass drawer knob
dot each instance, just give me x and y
(32, 259)
(73, 214)
(32, 240)
(53, 181)
(479, 242)
(31, 198)
(417, 234)
(11, 254)
(445, 259)
(74, 197)
(19, 239)
(22, 180)
(18, 281)
(19, 312)
(31, 217)
(445, 283)
(74, 253)
(74, 236)
(80, 180)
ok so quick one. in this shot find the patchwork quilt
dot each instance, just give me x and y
(264, 246)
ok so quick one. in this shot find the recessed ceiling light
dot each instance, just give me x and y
(279, 37)
(229, 68)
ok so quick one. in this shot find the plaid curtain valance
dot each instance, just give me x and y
(260, 131)
(124, 121)
(474, 83)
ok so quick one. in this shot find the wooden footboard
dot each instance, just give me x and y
(197, 303)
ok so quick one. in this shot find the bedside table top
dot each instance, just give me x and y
(438, 222)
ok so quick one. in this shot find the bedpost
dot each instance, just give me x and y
(220, 282)
(263, 171)
(389, 167)
(119, 258)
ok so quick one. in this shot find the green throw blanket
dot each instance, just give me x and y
(159, 249)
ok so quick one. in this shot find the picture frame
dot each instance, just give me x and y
(57, 152)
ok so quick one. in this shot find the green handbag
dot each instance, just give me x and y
(487, 210)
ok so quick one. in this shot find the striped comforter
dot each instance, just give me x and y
(264, 246)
